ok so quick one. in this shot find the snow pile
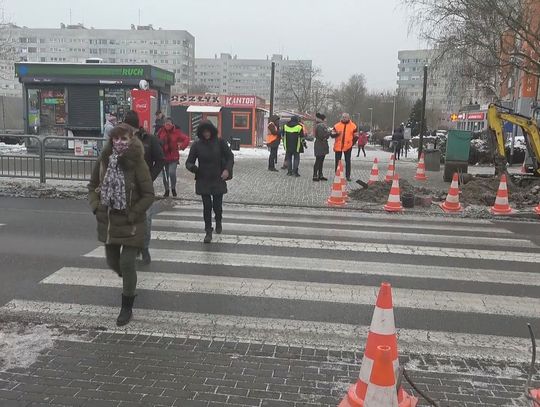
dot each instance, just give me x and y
(12, 148)
(20, 345)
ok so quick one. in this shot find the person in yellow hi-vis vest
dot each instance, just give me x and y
(293, 141)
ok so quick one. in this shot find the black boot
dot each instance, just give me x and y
(166, 194)
(219, 227)
(296, 174)
(321, 178)
(126, 312)
(146, 258)
(174, 193)
(208, 237)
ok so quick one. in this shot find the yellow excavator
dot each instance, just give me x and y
(496, 116)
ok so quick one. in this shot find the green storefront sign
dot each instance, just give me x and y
(93, 71)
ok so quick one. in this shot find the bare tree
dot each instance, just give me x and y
(321, 96)
(8, 50)
(481, 39)
(352, 94)
(298, 81)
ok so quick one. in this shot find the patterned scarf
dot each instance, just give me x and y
(113, 187)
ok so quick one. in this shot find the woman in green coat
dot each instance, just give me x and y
(120, 191)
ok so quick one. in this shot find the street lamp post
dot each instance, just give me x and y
(394, 114)
(371, 120)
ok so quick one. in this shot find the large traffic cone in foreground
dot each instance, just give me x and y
(336, 194)
(421, 170)
(394, 199)
(374, 176)
(451, 204)
(502, 206)
(382, 332)
(391, 169)
(381, 390)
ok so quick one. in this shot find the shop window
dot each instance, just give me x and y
(46, 111)
(240, 121)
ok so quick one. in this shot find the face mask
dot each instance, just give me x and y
(120, 146)
(169, 126)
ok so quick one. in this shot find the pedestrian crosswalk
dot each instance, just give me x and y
(309, 277)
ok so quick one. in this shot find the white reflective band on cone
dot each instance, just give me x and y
(383, 322)
(378, 396)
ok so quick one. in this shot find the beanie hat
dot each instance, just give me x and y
(320, 116)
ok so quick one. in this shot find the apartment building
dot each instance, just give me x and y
(173, 50)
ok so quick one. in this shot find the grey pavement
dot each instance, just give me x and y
(275, 312)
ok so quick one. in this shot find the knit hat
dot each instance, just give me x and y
(320, 116)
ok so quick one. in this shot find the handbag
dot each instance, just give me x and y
(224, 160)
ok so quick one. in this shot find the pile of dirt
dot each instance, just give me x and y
(482, 191)
(379, 191)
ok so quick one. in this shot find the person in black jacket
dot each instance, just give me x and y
(153, 155)
(321, 148)
(215, 164)
(397, 140)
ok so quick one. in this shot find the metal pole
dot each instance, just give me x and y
(423, 116)
(272, 85)
(394, 115)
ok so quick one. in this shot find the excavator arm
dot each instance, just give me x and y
(496, 119)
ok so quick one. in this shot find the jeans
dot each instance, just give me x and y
(148, 233)
(272, 160)
(169, 175)
(347, 161)
(318, 167)
(210, 202)
(122, 260)
(293, 160)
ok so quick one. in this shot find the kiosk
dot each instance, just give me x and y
(61, 99)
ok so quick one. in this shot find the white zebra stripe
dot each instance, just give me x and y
(383, 321)
(343, 337)
(336, 213)
(366, 247)
(361, 235)
(359, 221)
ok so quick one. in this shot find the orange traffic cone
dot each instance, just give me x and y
(336, 195)
(374, 176)
(344, 192)
(537, 209)
(391, 170)
(451, 204)
(382, 332)
(535, 394)
(502, 206)
(421, 170)
(381, 390)
(394, 199)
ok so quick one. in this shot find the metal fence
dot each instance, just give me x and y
(51, 157)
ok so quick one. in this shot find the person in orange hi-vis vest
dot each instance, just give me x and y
(273, 139)
(345, 134)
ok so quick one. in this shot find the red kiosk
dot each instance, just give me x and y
(239, 119)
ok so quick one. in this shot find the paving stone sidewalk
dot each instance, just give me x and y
(114, 370)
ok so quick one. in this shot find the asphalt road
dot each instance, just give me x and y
(424, 258)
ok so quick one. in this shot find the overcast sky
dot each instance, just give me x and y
(342, 37)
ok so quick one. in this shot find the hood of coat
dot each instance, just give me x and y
(295, 120)
(207, 125)
(131, 156)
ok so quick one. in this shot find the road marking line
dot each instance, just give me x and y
(304, 291)
(351, 222)
(361, 235)
(381, 248)
(343, 337)
(243, 209)
(256, 261)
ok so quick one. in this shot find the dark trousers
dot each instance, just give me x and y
(293, 160)
(318, 167)
(210, 202)
(361, 148)
(272, 160)
(122, 260)
(347, 162)
(397, 149)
